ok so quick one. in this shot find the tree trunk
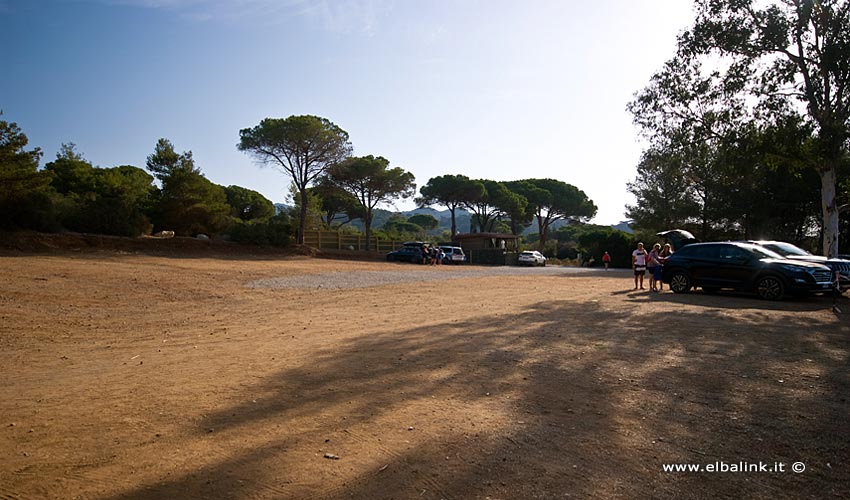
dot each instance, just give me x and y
(367, 225)
(302, 218)
(454, 225)
(542, 230)
(830, 212)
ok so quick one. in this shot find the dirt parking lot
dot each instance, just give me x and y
(150, 377)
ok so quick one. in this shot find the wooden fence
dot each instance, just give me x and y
(340, 241)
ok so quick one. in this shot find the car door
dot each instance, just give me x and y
(703, 265)
(734, 267)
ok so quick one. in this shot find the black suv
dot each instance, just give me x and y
(743, 266)
(406, 253)
(789, 251)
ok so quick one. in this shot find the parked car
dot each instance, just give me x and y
(789, 251)
(532, 258)
(406, 254)
(746, 267)
(454, 255)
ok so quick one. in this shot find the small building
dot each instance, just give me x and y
(490, 248)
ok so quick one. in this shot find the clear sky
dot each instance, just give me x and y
(498, 89)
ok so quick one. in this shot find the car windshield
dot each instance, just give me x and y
(527, 254)
(765, 253)
(787, 249)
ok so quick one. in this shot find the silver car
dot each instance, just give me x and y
(453, 255)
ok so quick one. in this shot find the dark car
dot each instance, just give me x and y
(789, 251)
(406, 254)
(677, 238)
(743, 266)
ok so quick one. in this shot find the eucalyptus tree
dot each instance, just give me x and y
(692, 116)
(301, 147)
(795, 56)
(372, 182)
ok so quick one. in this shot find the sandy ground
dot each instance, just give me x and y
(149, 377)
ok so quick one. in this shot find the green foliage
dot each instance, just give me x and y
(312, 214)
(496, 202)
(371, 181)
(451, 191)
(550, 200)
(247, 204)
(424, 221)
(591, 241)
(338, 206)
(112, 201)
(719, 193)
(71, 175)
(594, 241)
(25, 193)
(794, 57)
(119, 205)
(399, 228)
(301, 147)
(522, 219)
(165, 162)
(274, 231)
(189, 203)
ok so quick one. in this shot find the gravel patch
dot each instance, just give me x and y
(366, 279)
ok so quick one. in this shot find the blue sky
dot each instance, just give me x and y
(490, 89)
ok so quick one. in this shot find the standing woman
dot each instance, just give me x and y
(652, 264)
(665, 254)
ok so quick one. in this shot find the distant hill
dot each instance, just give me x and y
(462, 219)
(624, 227)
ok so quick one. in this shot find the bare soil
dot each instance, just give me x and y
(135, 376)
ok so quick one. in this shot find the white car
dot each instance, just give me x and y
(532, 258)
(454, 255)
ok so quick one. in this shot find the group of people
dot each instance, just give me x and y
(652, 261)
(433, 255)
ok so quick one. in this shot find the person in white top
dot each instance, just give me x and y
(639, 265)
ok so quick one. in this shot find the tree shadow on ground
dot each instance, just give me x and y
(565, 400)
(742, 300)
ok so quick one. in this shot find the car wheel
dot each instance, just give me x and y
(680, 282)
(770, 288)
